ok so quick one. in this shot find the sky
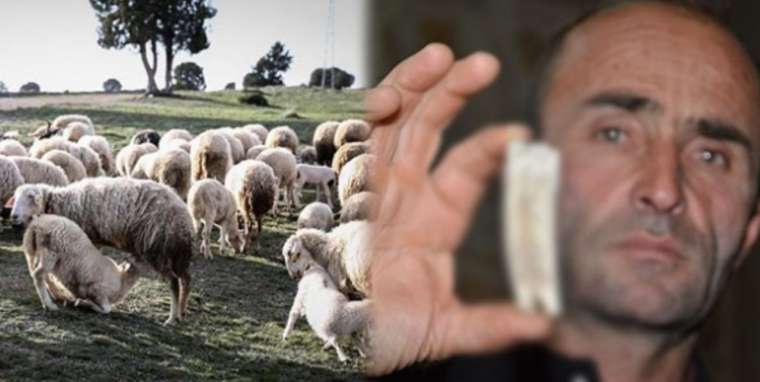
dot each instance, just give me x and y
(54, 43)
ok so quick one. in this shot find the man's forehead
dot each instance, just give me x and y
(675, 56)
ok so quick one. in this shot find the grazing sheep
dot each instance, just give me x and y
(329, 313)
(283, 162)
(355, 177)
(60, 123)
(9, 135)
(322, 176)
(254, 151)
(361, 206)
(146, 136)
(127, 158)
(102, 147)
(176, 144)
(307, 154)
(342, 252)
(35, 170)
(12, 147)
(169, 167)
(347, 152)
(316, 215)
(211, 156)
(351, 130)
(143, 218)
(10, 179)
(236, 148)
(282, 136)
(324, 142)
(246, 138)
(210, 203)
(259, 130)
(72, 167)
(76, 130)
(174, 134)
(56, 246)
(254, 187)
(86, 155)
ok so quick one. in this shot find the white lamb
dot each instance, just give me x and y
(211, 204)
(322, 177)
(56, 246)
(329, 313)
(316, 215)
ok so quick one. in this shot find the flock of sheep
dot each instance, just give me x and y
(159, 198)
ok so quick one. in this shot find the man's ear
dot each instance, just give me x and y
(750, 235)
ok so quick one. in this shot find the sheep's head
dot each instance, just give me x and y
(29, 201)
(235, 240)
(297, 258)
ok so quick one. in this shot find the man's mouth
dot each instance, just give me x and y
(651, 247)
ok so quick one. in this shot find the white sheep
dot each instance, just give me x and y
(343, 252)
(35, 170)
(72, 167)
(176, 144)
(254, 151)
(76, 130)
(282, 136)
(316, 215)
(12, 147)
(246, 138)
(86, 155)
(100, 145)
(351, 130)
(174, 134)
(260, 131)
(56, 246)
(210, 155)
(324, 142)
(322, 176)
(361, 206)
(143, 218)
(59, 124)
(128, 156)
(355, 177)
(253, 185)
(347, 152)
(210, 203)
(169, 167)
(10, 179)
(283, 162)
(329, 313)
(236, 148)
(307, 154)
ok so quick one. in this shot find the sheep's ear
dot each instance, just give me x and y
(10, 202)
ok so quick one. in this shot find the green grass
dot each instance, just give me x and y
(238, 305)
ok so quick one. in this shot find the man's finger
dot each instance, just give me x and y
(420, 136)
(467, 168)
(421, 71)
(487, 328)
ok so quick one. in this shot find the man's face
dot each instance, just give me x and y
(655, 114)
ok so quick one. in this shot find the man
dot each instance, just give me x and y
(654, 108)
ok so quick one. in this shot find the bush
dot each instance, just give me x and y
(189, 76)
(268, 70)
(229, 86)
(343, 79)
(30, 87)
(112, 85)
(3, 88)
(254, 98)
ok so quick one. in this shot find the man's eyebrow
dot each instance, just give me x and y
(621, 100)
(724, 131)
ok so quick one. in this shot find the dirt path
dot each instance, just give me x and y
(12, 103)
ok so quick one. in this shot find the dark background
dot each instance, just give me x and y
(518, 32)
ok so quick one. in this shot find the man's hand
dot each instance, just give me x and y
(423, 215)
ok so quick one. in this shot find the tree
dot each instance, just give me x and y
(3, 88)
(143, 24)
(30, 87)
(343, 79)
(268, 70)
(189, 76)
(112, 85)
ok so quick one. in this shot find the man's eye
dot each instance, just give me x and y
(713, 157)
(611, 134)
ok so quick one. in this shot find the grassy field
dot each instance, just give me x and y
(238, 305)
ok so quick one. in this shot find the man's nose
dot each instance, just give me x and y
(659, 188)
